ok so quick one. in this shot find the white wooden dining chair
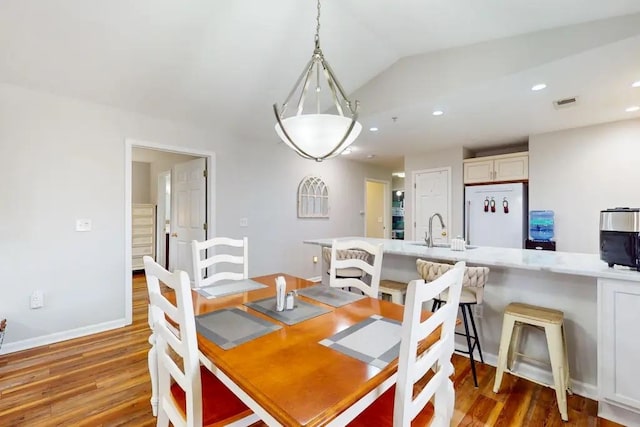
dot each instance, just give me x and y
(209, 255)
(371, 266)
(398, 406)
(189, 394)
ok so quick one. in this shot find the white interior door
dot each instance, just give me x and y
(188, 212)
(432, 194)
(163, 209)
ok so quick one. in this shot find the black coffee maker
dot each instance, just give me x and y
(620, 237)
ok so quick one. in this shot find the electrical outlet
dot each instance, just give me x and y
(83, 225)
(36, 300)
(478, 311)
(244, 222)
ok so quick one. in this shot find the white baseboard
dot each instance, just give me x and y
(315, 279)
(618, 414)
(535, 372)
(12, 347)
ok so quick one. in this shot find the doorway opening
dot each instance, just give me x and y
(177, 185)
(377, 207)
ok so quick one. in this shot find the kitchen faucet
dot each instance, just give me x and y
(428, 238)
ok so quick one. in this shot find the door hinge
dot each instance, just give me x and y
(414, 185)
(204, 173)
(205, 227)
(415, 225)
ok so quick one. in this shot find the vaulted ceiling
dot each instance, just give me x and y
(225, 63)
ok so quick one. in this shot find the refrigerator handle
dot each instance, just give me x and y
(467, 222)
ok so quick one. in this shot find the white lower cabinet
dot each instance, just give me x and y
(619, 351)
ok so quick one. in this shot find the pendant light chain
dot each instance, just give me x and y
(318, 27)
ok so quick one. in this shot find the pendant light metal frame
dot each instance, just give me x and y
(338, 96)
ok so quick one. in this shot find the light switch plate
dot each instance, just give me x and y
(83, 225)
(244, 222)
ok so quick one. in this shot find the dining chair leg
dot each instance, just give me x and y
(152, 360)
(476, 339)
(466, 332)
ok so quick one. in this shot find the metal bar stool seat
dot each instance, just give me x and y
(517, 315)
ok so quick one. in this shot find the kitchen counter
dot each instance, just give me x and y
(577, 264)
(600, 306)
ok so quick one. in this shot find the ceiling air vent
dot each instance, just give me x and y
(565, 102)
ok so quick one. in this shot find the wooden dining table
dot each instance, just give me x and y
(287, 377)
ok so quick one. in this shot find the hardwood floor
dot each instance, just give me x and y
(102, 380)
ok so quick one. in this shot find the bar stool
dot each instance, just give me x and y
(473, 283)
(344, 273)
(517, 315)
(396, 290)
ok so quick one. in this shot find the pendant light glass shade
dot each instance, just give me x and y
(318, 135)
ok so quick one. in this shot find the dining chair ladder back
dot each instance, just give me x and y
(371, 265)
(182, 385)
(209, 255)
(412, 367)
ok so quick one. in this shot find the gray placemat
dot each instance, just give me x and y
(302, 310)
(375, 341)
(229, 288)
(230, 327)
(331, 296)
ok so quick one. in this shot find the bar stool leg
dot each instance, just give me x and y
(475, 332)
(505, 343)
(567, 377)
(556, 354)
(466, 332)
(515, 345)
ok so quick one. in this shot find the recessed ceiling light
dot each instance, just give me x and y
(346, 151)
(373, 129)
(538, 87)
(371, 156)
(438, 113)
(636, 84)
(633, 109)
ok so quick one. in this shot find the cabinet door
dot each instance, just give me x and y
(512, 168)
(618, 343)
(478, 171)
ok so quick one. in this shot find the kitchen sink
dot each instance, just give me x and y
(441, 245)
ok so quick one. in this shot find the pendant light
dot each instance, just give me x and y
(318, 135)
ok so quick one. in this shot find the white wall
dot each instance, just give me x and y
(452, 158)
(159, 161)
(67, 162)
(140, 182)
(578, 172)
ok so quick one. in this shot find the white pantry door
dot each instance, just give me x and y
(188, 212)
(431, 194)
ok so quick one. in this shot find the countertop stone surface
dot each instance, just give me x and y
(527, 259)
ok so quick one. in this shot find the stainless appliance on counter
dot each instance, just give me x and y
(620, 237)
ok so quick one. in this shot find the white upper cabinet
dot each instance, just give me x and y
(506, 167)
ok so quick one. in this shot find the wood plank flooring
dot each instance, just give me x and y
(102, 380)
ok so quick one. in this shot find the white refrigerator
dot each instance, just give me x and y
(496, 215)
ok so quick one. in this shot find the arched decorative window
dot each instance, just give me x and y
(313, 198)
